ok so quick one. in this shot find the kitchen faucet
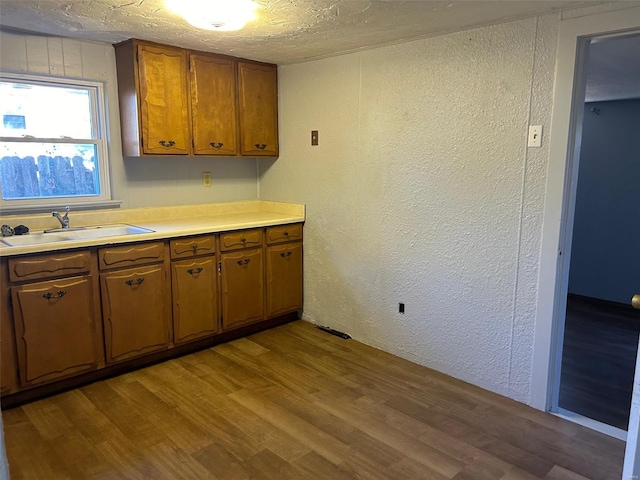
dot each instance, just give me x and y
(64, 221)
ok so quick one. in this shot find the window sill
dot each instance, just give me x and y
(75, 207)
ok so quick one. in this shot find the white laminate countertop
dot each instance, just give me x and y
(166, 222)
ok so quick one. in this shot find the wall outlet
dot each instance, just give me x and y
(206, 179)
(401, 308)
(314, 137)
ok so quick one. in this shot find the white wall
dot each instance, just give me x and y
(422, 191)
(138, 182)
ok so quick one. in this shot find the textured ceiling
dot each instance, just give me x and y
(613, 69)
(286, 31)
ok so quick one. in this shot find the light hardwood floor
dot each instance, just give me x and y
(294, 402)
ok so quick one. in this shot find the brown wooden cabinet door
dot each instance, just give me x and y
(258, 107)
(8, 363)
(213, 105)
(164, 104)
(195, 307)
(284, 279)
(242, 288)
(9, 368)
(55, 328)
(135, 311)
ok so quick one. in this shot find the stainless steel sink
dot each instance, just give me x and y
(63, 234)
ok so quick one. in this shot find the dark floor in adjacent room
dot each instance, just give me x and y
(598, 360)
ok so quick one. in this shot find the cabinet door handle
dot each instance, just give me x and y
(261, 146)
(59, 294)
(243, 262)
(166, 144)
(217, 145)
(285, 254)
(136, 283)
(195, 271)
(243, 240)
(194, 247)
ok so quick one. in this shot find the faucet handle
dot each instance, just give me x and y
(66, 209)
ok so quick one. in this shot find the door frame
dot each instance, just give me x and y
(564, 149)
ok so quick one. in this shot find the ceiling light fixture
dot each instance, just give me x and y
(220, 15)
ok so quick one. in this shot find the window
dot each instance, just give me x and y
(53, 148)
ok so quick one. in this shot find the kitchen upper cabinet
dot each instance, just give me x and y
(213, 104)
(164, 109)
(154, 99)
(182, 102)
(258, 107)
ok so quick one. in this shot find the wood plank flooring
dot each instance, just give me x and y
(599, 359)
(294, 402)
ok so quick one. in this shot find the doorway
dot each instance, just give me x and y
(599, 341)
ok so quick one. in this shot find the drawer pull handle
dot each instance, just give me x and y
(194, 271)
(261, 146)
(131, 283)
(166, 144)
(285, 254)
(244, 262)
(286, 234)
(194, 247)
(217, 146)
(243, 240)
(59, 294)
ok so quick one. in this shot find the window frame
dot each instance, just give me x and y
(99, 131)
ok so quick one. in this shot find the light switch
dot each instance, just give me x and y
(535, 136)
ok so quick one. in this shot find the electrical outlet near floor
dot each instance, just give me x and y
(206, 179)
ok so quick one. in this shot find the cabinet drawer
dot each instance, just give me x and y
(241, 239)
(284, 233)
(49, 266)
(192, 246)
(125, 256)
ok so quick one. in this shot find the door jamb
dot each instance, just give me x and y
(573, 35)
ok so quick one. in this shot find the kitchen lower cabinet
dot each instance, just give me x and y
(76, 312)
(55, 328)
(284, 278)
(8, 363)
(242, 277)
(135, 311)
(195, 306)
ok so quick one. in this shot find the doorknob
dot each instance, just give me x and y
(635, 301)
